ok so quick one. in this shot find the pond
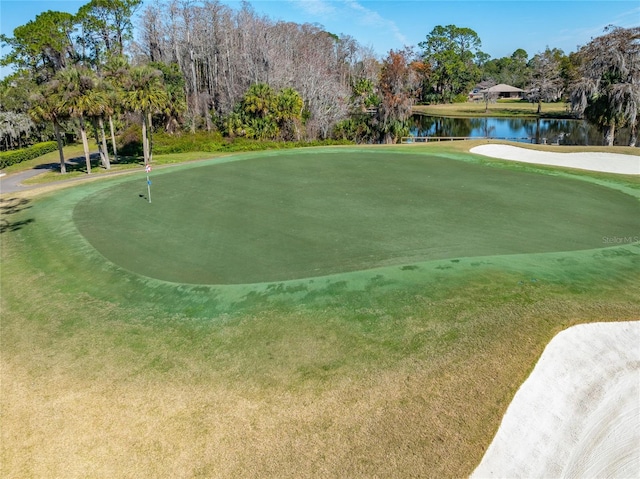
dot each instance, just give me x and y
(529, 130)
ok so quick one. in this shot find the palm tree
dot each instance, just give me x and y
(45, 108)
(259, 100)
(73, 97)
(174, 85)
(146, 95)
(99, 106)
(257, 109)
(289, 111)
(115, 72)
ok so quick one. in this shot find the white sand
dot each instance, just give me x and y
(596, 161)
(578, 413)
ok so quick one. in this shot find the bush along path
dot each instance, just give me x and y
(8, 158)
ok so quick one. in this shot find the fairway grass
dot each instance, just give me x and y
(402, 370)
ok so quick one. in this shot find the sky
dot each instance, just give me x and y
(502, 25)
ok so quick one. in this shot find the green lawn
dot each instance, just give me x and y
(403, 370)
(501, 108)
(297, 215)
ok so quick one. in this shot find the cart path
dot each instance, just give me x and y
(13, 183)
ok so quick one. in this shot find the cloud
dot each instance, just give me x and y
(330, 11)
(321, 8)
(627, 19)
(586, 34)
(368, 17)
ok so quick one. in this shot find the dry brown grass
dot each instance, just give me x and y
(394, 424)
(98, 415)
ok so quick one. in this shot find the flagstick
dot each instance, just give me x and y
(147, 168)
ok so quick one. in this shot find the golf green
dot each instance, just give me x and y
(295, 215)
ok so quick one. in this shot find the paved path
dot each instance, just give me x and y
(13, 183)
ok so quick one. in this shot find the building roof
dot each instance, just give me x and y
(503, 88)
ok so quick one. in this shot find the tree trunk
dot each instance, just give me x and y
(107, 163)
(96, 137)
(196, 103)
(633, 136)
(85, 144)
(145, 144)
(539, 106)
(150, 136)
(207, 117)
(56, 129)
(610, 134)
(113, 139)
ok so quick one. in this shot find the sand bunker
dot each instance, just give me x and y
(593, 161)
(578, 414)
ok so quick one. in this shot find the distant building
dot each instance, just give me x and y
(498, 91)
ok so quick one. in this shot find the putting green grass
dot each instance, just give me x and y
(294, 215)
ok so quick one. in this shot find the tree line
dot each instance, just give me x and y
(601, 80)
(202, 65)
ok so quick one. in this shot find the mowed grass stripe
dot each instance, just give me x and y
(295, 215)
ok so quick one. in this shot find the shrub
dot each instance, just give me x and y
(244, 144)
(211, 142)
(130, 141)
(214, 142)
(199, 141)
(8, 158)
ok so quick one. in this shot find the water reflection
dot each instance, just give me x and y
(550, 131)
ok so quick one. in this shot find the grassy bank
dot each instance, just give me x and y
(168, 150)
(401, 371)
(501, 108)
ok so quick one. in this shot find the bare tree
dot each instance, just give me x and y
(222, 52)
(546, 80)
(488, 95)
